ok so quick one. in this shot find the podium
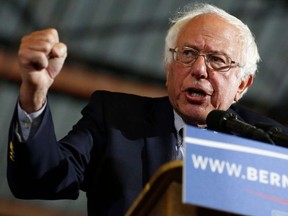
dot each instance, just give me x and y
(222, 175)
(162, 196)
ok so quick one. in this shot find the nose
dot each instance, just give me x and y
(199, 68)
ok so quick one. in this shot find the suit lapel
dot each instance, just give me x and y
(159, 136)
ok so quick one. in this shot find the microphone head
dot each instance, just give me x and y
(216, 119)
(227, 122)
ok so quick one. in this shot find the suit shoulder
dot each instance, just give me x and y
(253, 117)
(119, 98)
(108, 95)
(116, 103)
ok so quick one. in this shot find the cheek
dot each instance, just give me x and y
(174, 79)
(225, 90)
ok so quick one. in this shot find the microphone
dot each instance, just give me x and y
(227, 122)
(275, 133)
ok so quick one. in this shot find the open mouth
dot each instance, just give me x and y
(196, 92)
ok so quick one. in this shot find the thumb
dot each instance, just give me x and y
(59, 50)
(57, 57)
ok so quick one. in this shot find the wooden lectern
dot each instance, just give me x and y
(162, 196)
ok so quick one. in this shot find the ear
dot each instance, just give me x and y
(243, 87)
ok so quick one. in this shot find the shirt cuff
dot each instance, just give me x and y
(27, 121)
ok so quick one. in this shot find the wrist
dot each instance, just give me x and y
(32, 100)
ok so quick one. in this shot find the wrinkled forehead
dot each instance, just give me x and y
(211, 32)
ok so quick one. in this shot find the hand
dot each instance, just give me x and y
(41, 57)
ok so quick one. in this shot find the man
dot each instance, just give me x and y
(122, 139)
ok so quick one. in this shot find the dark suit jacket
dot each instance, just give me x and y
(111, 153)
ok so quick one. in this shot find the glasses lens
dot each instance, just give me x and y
(218, 61)
(187, 55)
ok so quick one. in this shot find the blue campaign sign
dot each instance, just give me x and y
(234, 174)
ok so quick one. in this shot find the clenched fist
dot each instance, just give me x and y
(41, 57)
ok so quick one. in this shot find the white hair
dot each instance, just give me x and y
(249, 56)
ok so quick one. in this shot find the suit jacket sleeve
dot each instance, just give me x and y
(43, 168)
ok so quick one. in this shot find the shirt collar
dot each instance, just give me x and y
(178, 121)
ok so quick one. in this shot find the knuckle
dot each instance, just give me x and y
(51, 35)
(45, 47)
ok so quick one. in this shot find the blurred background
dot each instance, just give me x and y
(117, 45)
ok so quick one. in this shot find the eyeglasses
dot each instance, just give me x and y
(213, 60)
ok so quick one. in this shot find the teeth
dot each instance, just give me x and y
(197, 94)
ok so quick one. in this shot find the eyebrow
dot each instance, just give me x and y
(212, 51)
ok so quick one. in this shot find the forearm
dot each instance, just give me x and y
(32, 100)
(37, 168)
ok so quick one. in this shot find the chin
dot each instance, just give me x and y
(194, 118)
